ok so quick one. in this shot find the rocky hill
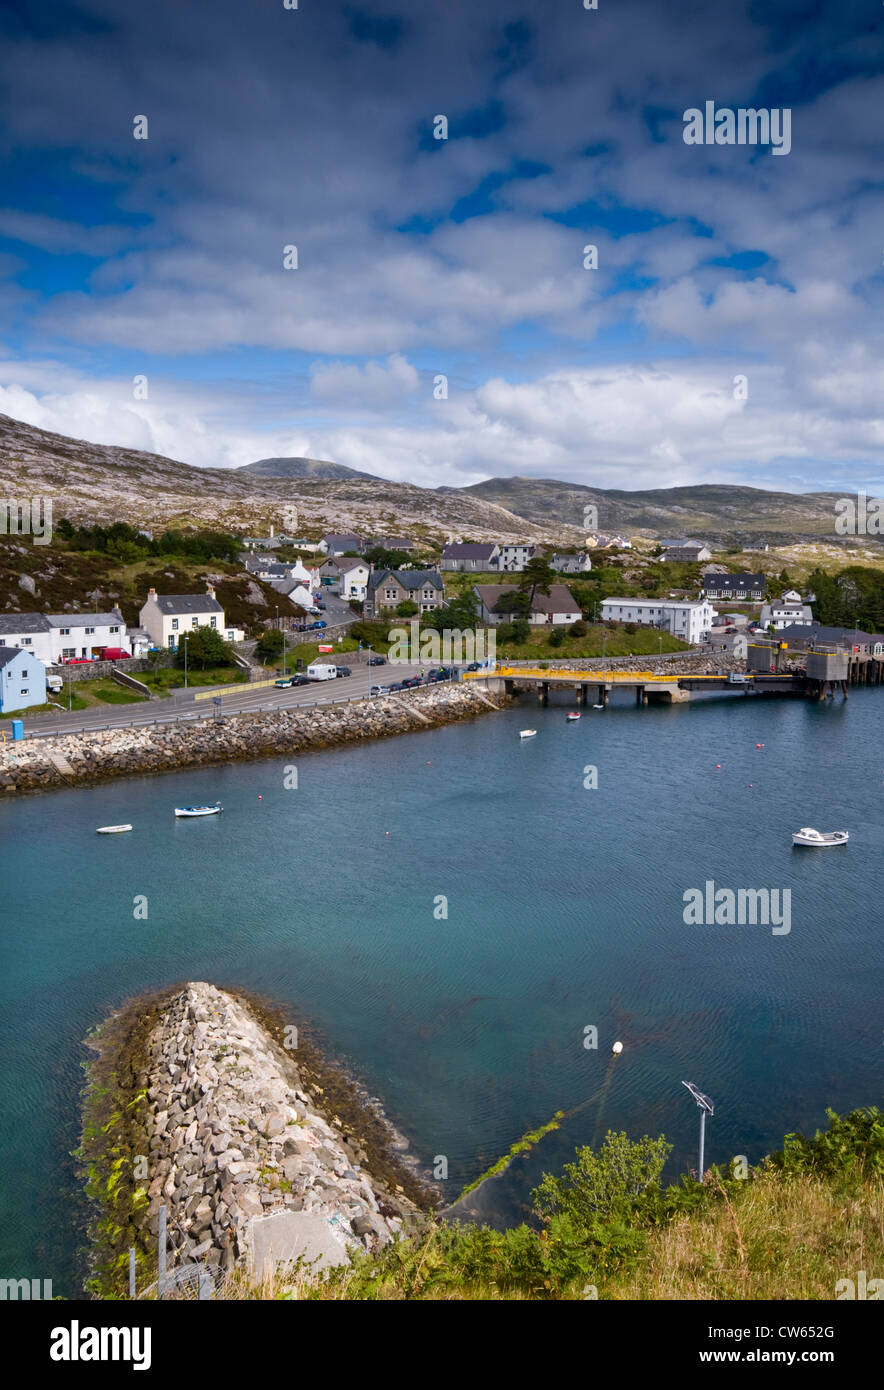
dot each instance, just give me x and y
(303, 468)
(100, 483)
(717, 513)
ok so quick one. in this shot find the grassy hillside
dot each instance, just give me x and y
(794, 1227)
(96, 581)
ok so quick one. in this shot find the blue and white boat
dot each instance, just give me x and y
(199, 810)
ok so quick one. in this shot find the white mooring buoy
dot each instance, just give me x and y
(617, 1049)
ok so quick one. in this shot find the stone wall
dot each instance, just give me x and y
(67, 760)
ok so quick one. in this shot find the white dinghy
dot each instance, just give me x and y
(528, 733)
(199, 810)
(112, 829)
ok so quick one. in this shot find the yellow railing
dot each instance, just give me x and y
(208, 691)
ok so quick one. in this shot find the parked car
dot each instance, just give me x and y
(320, 607)
(285, 682)
(410, 682)
(313, 626)
(473, 666)
(76, 661)
(344, 671)
(377, 661)
(397, 685)
(380, 689)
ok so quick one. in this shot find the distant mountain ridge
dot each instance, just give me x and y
(716, 512)
(312, 469)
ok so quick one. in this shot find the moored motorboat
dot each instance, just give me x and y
(112, 829)
(199, 810)
(571, 715)
(819, 838)
(528, 733)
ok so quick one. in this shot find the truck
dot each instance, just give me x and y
(321, 671)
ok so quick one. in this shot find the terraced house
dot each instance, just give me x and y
(386, 589)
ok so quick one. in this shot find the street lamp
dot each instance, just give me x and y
(706, 1107)
(184, 637)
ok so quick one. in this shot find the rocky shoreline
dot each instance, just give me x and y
(46, 764)
(207, 1103)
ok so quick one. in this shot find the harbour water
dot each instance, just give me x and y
(564, 910)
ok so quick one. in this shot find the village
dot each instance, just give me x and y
(344, 593)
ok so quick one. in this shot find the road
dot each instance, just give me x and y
(182, 708)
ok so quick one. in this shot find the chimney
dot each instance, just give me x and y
(151, 595)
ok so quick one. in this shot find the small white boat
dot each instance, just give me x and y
(199, 810)
(528, 733)
(572, 716)
(598, 707)
(112, 829)
(819, 838)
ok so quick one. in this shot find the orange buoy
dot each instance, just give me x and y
(718, 765)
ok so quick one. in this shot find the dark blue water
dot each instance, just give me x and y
(564, 910)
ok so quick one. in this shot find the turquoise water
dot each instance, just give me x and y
(564, 910)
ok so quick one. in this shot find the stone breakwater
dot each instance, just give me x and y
(234, 1144)
(69, 760)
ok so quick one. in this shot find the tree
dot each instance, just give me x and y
(407, 608)
(538, 575)
(603, 1184)
(270, 644)
(513, 601)
(578, 629)
(386, 559)
(204, 647)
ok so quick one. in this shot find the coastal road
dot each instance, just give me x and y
(182, 708)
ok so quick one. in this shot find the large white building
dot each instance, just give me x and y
(687, 620)
(167, 616)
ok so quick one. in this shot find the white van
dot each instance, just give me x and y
(320, 671)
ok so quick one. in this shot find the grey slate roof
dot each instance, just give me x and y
(409, 579)
(813, 632)
(730, 583)
(469, 550)
(11, 624)
(7, 654)
(85, 619)
(174, 604)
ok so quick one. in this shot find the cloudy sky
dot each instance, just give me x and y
(420, 258)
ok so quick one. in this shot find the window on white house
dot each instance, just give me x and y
(89, 631)
(24, 675)
(68, 651)
(113, 629)
(24, 692)
(214, 622)
(64, 632)
(174, 624)
(195, 622)
(27, 641)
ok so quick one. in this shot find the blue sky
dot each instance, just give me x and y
(464, 257)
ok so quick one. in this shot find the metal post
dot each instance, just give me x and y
(702, 1139)
(131, 1271)
(161, 1254)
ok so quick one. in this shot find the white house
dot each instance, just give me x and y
(688, 620)
(30, 631)
(558, 607)
(338, 545)
(790, 596)
(354, 578)
(780, 614)
(22, 680)
(79, 636)
(166, 616)
(513, 556)
(572, 564)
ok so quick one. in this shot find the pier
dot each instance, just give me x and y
(595, 687)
